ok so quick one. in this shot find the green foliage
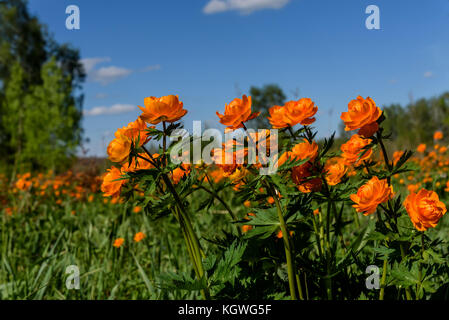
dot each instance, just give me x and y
(40, 112)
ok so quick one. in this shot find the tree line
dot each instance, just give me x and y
(40, 94)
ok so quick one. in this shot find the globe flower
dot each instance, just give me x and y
(119, 148)
(180, 173)
(424, 209)
(167, 108)
(371, 194)
(362, 114)
(396, 156)
(140, 164)
(301, 151)
(301, 177)
(237, 112)
(438, 135)
(421, 148)
(278, 117)
(136, 131)
(301, 111)
(353, 150)
(118, 242)
(292, 113)
(335, 170)
(139, 236)
(110, 187)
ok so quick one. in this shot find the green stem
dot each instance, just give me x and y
(420, 267)
(408, 293)
(384, 278)
(287, 247)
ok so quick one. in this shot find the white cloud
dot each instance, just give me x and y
(110, 74)
(90, 63)
(106, 75)
(243, 6)
(428, 74)
(114, 109)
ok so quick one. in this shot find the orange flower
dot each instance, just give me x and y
(140, 165)
(167, 108)
(136, 131)
(8, 211)
(292, 113)
(362, 114)
(226, 159)
(139, 236)
(424, 209)
(371, 194)
(438, 135)
(279, 234)
(353, 149)
(301, 111)
(300, 176)
(396, 156)
(180, 173)
(246, 228)
(119, 148)
(278, 117)
(301, 151)
(237, 112)
(137, 209)
(238, 175)
(118, 242)
(421, 148)
(316, 212)
(335, 169)
(112, 188)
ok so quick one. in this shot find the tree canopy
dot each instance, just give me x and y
(40, 99)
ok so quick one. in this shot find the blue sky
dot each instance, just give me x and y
(207, 51)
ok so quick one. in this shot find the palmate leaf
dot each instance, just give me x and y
(227, 268)
(384, 252)
(180, 281)
(404, 276)
(261, 232)
(264, 217)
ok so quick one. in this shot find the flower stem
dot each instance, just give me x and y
(384, 278)
(287, 247)
(408, 293)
